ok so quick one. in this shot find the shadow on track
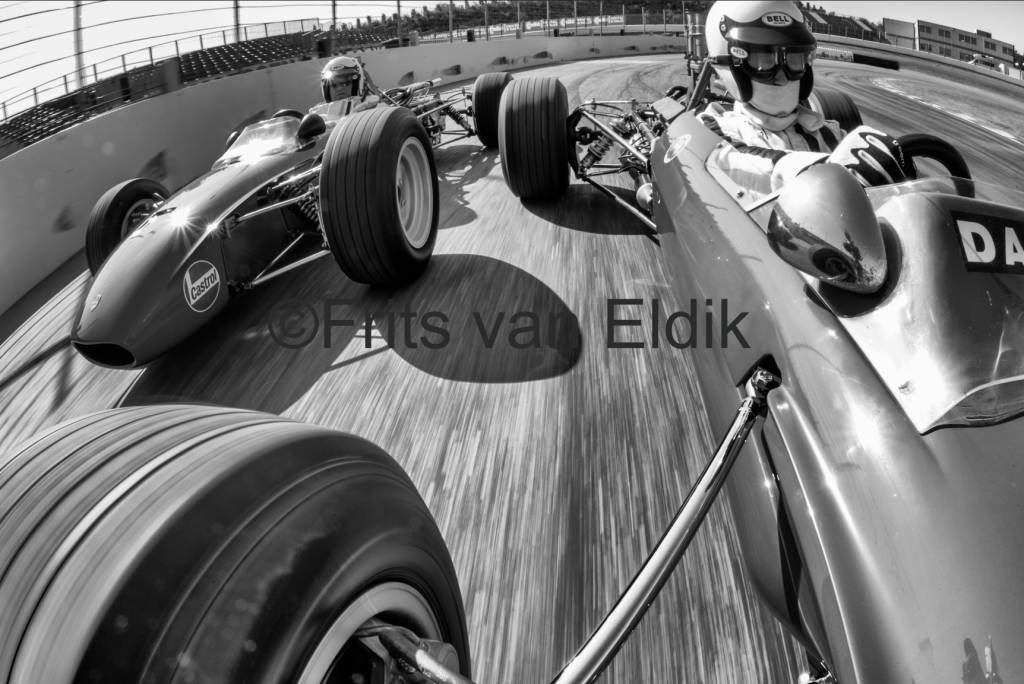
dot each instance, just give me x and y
(581, 202)
(458, 168)
(272, 345)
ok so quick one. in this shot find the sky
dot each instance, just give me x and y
(28, 58)
(998, 18)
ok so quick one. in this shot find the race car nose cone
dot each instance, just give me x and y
(823, 225)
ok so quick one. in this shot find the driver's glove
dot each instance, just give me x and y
(873, 157)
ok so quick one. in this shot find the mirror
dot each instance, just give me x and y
(231, 139)
(311, 126)
(823, 225)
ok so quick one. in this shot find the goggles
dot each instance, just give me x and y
(762, 63)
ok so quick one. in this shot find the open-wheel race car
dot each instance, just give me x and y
(878, 500)
(358, 185)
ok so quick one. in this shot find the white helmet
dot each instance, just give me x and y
(752, 41)
(343, 77)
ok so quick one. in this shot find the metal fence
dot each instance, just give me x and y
(147, 57)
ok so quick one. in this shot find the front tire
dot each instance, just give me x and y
(533, 138)
(180, 543)
(379, 196)
(487, 92)
(116, 214)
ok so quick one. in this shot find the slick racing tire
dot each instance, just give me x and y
(379, 196)
(487, 92)
(532, 138)
(187, 543)
(836, 106)
(117, 213)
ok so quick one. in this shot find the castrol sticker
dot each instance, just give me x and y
(201, 285)
(776, 19)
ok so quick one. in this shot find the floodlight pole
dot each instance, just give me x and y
(238, 14)
(79, 64)
(398, 4)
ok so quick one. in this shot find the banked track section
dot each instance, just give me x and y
(551, 469)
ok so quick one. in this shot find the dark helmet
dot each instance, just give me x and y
(343, 77)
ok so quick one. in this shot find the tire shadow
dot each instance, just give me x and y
(458, 167)
(478, 319)
(492, 322)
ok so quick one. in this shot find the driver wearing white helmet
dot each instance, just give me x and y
(762, 52)
(344, 80)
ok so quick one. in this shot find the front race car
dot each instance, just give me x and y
(888, 466)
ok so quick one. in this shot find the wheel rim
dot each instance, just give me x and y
(403, 605)
(413, 194)
(136, 214)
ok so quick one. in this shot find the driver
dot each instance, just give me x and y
(762, 52)
(344, 79)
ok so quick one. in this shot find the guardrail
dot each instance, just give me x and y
(150, 56)
(903, 53)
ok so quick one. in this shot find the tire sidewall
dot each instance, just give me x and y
(103, 231)
(366, 235)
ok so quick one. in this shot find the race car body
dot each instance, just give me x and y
(877, 502)
(286, 191)
(877, 505)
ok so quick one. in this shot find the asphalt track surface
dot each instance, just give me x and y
(551, 469)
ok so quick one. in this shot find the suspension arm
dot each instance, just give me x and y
(611, 133)
(606, 640)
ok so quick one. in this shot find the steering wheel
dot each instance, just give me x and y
(926, 146)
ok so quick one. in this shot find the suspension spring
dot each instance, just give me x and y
(597, 149)
(459, 117)
(600, 147)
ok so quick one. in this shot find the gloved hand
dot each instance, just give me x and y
(873, 157)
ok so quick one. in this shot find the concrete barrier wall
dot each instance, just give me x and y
(48, 189)
(908, 55)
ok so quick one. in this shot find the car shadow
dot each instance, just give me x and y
(458, 168)
(478, 319)
(268, 349)
(575, 209)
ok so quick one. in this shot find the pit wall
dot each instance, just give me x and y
(48, 189)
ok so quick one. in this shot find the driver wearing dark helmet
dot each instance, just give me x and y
(763, 53)
(344, 80)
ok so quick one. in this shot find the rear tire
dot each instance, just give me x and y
(836, 106)
(116, 214)
(379, 196)
(487, 92)
(533, 139)
(186, 543)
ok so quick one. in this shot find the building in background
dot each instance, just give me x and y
(962, 45)
(899, 33)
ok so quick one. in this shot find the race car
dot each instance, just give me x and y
(877, 501)
(360, 186)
